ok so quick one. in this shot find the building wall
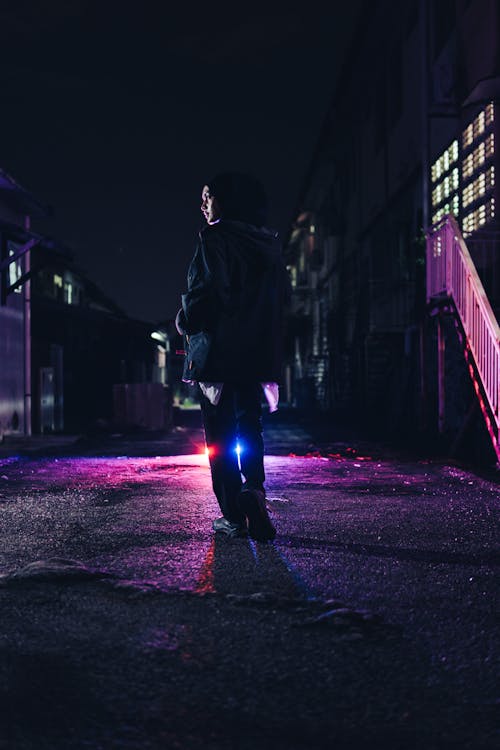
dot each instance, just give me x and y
(12, 341)
(478, 38)
(87, 346)
(11, 367)
(398, 105)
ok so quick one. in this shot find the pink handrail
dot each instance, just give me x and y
(451, 273)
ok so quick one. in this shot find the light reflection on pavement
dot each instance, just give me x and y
(233, 628)
(149, 520)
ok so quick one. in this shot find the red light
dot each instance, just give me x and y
(206, 582)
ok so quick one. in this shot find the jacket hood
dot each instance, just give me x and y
(241, 197)
(258, 245)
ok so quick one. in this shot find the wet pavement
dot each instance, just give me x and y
(371, 621)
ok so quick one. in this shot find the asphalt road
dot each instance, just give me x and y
(370, 622)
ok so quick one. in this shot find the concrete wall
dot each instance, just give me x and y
(12, 347)
(12, 366)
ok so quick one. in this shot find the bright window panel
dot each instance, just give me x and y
(490, 145)
(479, 123)
(68, 293)
(468, 166)
(15, 269)
(468, 136)
(490, 113)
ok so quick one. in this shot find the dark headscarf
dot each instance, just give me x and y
(241, 197)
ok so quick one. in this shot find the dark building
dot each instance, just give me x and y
(93, 366)
(17, 242)
(70, 359)
(411, 137)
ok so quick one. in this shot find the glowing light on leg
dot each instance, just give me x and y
(239, 450)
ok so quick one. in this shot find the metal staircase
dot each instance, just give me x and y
(452, 280)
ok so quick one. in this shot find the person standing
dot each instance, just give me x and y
(232, 316)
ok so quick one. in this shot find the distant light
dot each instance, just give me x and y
(238, 450)
(158, 336)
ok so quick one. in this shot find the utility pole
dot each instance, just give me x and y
(424, 121)
(425, 161)
(27, 336)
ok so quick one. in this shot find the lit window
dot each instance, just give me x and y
(469, 223)
(479, 155)
(479, 123)
(479, 180)
(437, 195)
(15, 268)
(490, 113)
(468, 136)
(58, 281)
(68, 292)
(446, 181)
(490, 145)
(468, 166)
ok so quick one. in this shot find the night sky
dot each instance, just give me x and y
(115, 114)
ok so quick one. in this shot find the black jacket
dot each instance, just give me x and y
(233, 311)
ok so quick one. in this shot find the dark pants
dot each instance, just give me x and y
(236, 418)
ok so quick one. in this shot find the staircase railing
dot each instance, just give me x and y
(451, 274)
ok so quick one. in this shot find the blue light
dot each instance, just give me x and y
(238, 450)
